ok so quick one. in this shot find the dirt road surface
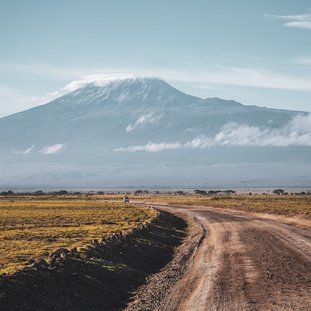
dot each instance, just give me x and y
(240, 262)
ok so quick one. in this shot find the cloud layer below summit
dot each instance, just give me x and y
(296, 133)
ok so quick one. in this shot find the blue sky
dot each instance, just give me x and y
(255, 52)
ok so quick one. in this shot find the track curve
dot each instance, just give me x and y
(244, 262)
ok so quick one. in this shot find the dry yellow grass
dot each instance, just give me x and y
(281, 205)
(274, 204)
(34, 226)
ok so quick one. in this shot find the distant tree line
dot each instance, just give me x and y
(198, 192)
(283, 192)
(214, 192)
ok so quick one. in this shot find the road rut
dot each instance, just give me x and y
(244, 262)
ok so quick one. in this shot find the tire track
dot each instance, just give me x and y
(244, 262)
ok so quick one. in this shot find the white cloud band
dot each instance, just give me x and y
(52, 149)
(143, 120)
(297, 21)
(26, 151)
(296, 133)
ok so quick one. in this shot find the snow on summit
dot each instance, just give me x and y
(123, 89)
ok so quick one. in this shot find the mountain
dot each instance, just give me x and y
(143, 132)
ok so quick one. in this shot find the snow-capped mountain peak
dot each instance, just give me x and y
(120, 90)
(144, 131)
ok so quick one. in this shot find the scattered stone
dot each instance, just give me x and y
(103, 276)
(59, 252)
(38, 263)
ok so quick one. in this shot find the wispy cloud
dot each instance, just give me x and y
(27, 151)
(234, 134)
(239, 76)
(43, 99)
(151, 147)
(243, 76)
(143, 120)
(52, 149)
(296, 133)
(297, 21)
(100, 79)
(41, 70)
(235, 76)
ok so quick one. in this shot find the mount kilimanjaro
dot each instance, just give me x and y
(143, 132)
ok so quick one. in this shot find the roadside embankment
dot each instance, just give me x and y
(157, 293)
(101, 276)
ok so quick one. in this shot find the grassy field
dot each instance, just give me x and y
(274, 204)
(282, 205)
(32, 226)
(35, 226)
(269, 203)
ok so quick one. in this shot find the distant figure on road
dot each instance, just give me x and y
(126, 199)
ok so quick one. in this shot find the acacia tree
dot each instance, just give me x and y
(278, 191)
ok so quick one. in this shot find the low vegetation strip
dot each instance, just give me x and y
(101, 276)
(33, 227)
(288, 205)
(281, 205)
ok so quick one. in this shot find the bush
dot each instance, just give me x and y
(278, 191)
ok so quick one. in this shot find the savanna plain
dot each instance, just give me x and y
(32, 226)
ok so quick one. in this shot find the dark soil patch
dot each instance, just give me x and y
(102, 278)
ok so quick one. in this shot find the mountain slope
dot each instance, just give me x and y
(112, 133)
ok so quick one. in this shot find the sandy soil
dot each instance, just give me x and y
(233, 261)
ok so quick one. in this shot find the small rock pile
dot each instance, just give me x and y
(101, 276)
(59, 256)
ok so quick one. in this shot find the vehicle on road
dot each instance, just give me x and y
(126, 199)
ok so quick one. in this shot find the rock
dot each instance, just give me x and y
(74, 251)
(95, 242)
(59, 252)
(38, 263)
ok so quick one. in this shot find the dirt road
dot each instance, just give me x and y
(243, 262)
